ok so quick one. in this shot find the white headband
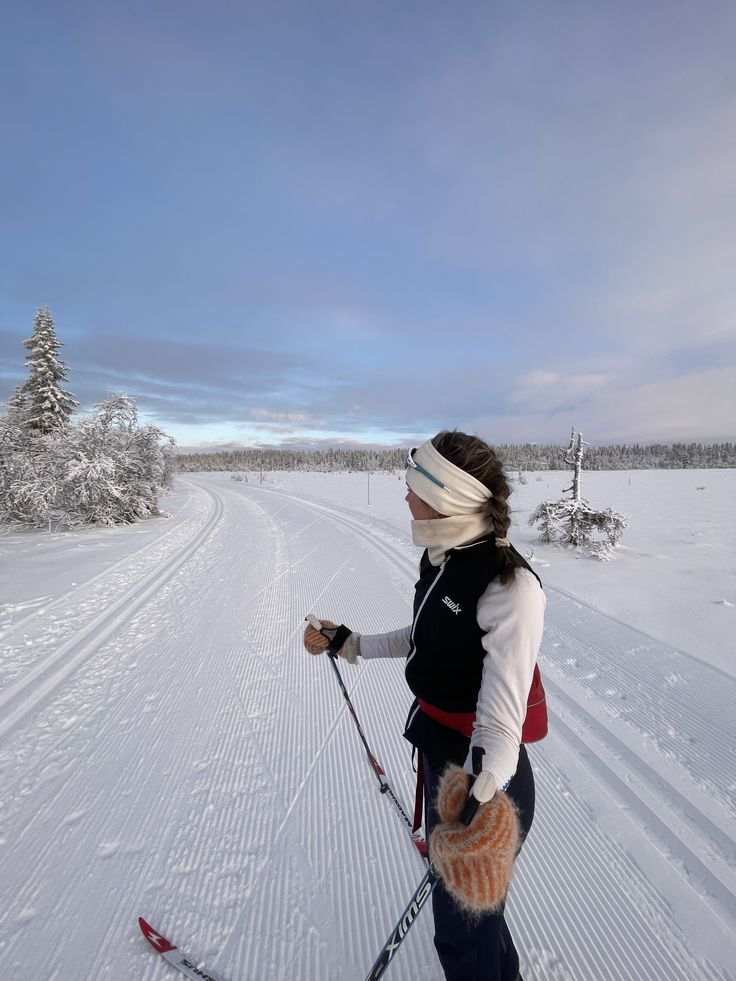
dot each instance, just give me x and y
(442, 485)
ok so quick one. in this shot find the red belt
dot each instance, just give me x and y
(534, 729)
(460, 721)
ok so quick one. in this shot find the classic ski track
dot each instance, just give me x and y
(53, 626)
(702, 722)
(10, 633)
(722, 841)
(699, 662)
(222, 830)
(263, 604)
(701, 725)
(41, 680)
(602, 884)
(711, 886)
(358, 523)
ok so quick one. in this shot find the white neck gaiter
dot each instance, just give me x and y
(439, 535)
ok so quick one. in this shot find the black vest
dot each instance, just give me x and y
(445, 662)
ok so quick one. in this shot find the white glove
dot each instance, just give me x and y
(484, 786)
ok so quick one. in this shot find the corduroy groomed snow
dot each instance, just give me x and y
(475, 862)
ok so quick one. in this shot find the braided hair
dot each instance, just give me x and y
(474, 456)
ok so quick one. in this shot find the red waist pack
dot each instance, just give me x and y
(535, 723)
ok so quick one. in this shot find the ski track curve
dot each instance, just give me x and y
(59, 606)
(31, 690)
(192, 763)
(23, 643)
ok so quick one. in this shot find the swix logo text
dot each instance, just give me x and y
(419, 900)
(455, 607)
(196, 970)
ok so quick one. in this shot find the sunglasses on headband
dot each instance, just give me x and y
(411, 462)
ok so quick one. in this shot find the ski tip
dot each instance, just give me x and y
(159, 943)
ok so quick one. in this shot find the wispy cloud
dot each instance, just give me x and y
(696, 407)
(505, 219)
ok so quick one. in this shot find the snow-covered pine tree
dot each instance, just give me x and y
(49, 405)
(573, 521)
(17, 407)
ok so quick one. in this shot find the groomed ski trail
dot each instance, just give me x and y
(199, 768)
(632, 808)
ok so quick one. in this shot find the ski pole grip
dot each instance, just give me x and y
(335, 635)
(469, 811)
(313, 621)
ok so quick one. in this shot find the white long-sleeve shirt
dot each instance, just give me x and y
(511, 617)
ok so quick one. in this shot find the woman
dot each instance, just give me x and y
(471, 653)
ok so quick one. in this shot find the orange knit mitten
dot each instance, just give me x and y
(476, 862)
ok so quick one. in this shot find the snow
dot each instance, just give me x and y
(168, 749)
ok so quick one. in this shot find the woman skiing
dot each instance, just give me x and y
(471, 653)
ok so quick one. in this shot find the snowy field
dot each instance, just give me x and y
(168, 749)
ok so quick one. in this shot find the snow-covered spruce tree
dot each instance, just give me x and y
(573, 521)
(28, 471)
(114, 469)
(17, 407)
(49, 405)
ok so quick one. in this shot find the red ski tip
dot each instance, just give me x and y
(159, 943)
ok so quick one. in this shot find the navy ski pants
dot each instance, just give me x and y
(476, 950)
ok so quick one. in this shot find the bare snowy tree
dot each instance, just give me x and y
(574, 521)
(574, 459)
(115, 469)
(50, 406)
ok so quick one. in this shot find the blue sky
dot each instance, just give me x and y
(322, 223)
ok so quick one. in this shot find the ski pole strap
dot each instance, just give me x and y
(336, 636)
(419, 796)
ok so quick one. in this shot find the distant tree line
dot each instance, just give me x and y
(636, 456)
(328, 461)
(526, 456)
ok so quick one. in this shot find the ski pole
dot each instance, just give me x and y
(386, 787)
(408, 918)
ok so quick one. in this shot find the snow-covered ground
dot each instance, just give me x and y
(167, 749)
